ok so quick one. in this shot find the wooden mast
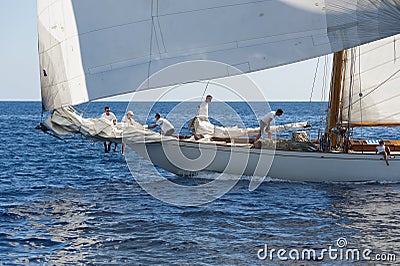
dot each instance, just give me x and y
(334, 99)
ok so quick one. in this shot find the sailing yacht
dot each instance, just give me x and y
(90, 51)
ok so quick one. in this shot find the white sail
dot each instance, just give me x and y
(91, 49)
(205, 128)
(371, 85)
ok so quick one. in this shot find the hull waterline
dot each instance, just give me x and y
(284, 165)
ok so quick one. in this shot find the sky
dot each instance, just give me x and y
(19, 64)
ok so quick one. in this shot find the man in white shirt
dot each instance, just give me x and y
(127, 121)
(166, 127)
(265, 123)
(202, 109)
(110, 116)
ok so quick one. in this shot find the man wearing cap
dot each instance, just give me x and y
(127, 121)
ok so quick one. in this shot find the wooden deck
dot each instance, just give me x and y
(370, 145)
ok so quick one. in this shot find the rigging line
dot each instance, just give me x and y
(161, 32)
(394, 49)
(155, 18)
(45, 130)
(389, 116)
(312, 89)
(326, 81)
(351, 83)
(202, 97)
(360, 94)
(214, 7)
(325, 78)
(151, 45)
(378, 47)
(86, 107)
(321, 105)
(384, 100)
(375, 67)
(52, 97)
(66, 141)
(197, 111)
(377, 87)
(322, 109)
(346, 66)
(323, 98)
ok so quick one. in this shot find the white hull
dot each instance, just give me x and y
(285, 165)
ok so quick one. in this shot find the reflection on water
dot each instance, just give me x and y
(372, 212)
(51, 231)
(95, 227)
(71, 204)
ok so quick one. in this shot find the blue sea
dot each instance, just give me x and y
(68, 203)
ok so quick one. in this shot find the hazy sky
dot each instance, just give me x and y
(19, 66)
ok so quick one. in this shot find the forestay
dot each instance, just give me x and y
(93, 49)
(371, 94)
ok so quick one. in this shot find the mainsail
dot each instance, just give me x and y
(371, 84)
(93, 49)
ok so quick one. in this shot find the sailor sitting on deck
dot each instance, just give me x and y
(382, 149)
(166, 127)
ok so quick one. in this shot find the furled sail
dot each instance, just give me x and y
(206, 128)
(66, 120)
(93, 49)
(371, 92)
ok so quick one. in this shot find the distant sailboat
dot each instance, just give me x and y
(90, 50)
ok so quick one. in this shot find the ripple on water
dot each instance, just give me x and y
(71, 204)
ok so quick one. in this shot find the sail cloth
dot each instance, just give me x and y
(99, 48)
(66, 121)
(371, 90)
(205, 128)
